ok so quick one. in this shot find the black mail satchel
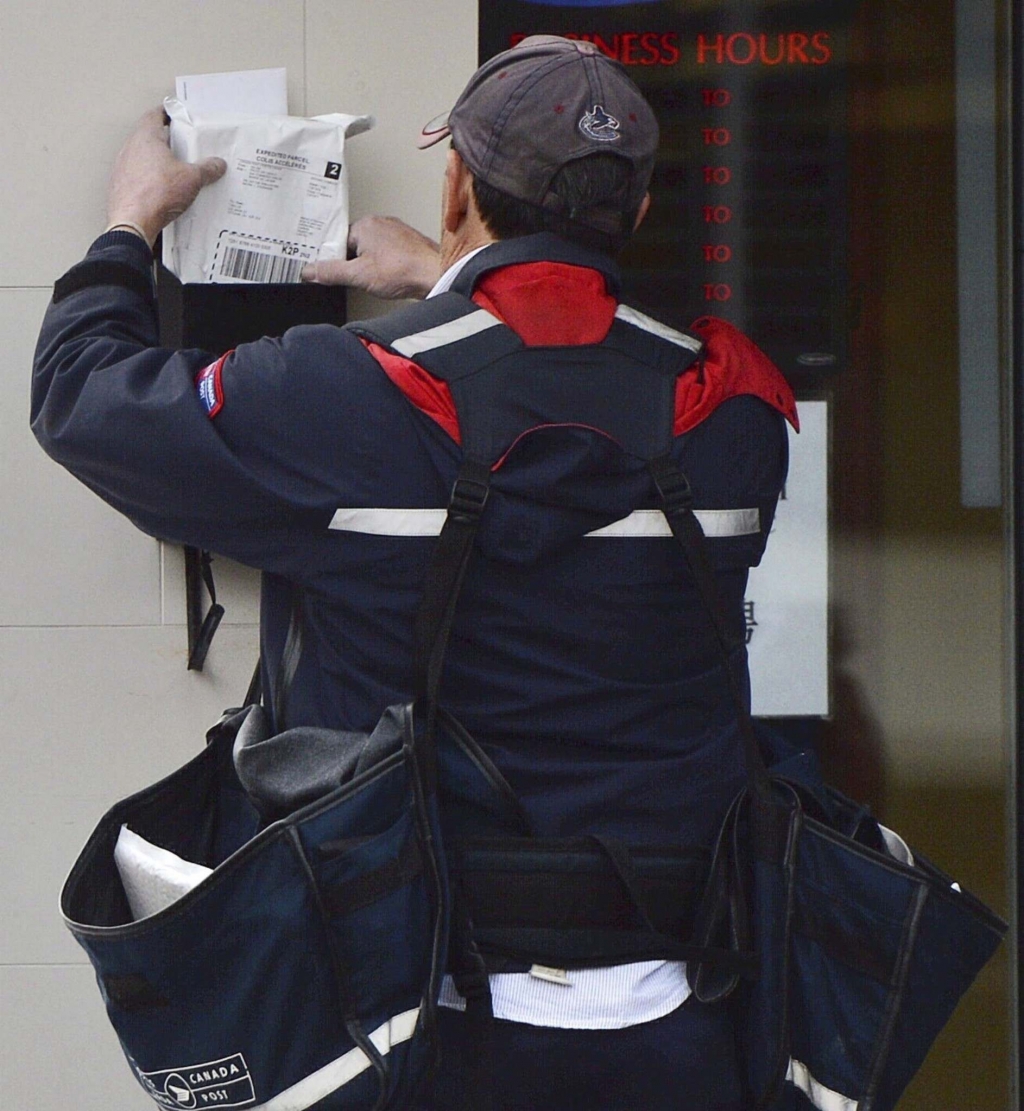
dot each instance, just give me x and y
(862, 947)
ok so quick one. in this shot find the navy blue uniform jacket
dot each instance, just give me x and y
(591, 678)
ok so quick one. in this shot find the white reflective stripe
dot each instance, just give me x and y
(823, 1098)
(641, 523)
(638, 320)
(390, 522)
(716, 523)
(430, 338)
(336, 1074)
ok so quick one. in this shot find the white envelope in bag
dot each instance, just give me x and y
(153, 877)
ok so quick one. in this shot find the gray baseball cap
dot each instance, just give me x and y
(548, 101)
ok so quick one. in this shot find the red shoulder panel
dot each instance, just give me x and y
(732, 365)
(429, 394)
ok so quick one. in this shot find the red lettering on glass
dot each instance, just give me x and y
(631, 48)
(718, 46)
(716, 98)
(717, 214)
(649, 43)
(670, 48)
(627, 45)
(743, 48)
(819, 41)
(797, 48)
(602, 45)
(780, 53)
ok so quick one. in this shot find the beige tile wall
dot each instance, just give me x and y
(95, 698)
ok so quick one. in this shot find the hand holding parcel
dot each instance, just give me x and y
(149, 187)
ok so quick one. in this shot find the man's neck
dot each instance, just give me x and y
(457, 245)
(449, 275)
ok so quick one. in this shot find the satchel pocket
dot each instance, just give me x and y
(863, 959)
(296, 970)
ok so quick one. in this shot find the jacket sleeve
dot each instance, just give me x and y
(128, 418)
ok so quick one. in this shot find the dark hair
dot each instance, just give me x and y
(596, 181)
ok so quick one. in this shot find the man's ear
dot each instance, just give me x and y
(645, 204)
(458, 185)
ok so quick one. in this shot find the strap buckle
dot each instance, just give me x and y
(673, 486)
(469, 496)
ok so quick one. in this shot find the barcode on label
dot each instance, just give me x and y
(250, 266)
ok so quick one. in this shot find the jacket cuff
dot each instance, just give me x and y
(117, 258)
(129, 248)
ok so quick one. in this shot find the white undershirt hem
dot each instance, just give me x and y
(594, 998)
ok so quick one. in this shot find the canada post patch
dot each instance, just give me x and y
(223, 1083)
(211, 390)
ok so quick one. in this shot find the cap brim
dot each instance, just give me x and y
(434, 131)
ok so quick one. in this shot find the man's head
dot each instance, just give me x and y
(556, 137)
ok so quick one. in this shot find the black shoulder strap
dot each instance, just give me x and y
(446, 574)
(677, 505)
(456, 340)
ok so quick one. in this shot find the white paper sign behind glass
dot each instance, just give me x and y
(787, 599)
(282, 203)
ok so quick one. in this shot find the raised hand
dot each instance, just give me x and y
(390, 260)
(149, 187)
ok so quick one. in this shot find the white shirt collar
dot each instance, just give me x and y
(444, 283)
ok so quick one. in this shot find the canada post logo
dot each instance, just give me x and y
(223, 1083)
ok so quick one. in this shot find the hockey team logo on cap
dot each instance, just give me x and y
(598, 124)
